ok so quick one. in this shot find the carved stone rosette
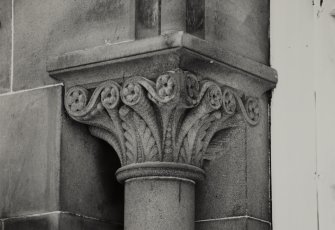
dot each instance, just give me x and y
(170, 120)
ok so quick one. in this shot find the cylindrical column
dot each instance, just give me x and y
(159, 203)
(159, 195)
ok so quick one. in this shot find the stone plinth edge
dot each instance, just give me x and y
(160, 169)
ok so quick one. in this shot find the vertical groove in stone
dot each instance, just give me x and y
(195, 17)
(147, 17)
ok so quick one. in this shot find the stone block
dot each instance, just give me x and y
(69, 221)
(29, 151)
(238, 182)
(51, 27)
(258, 166)
(229, 224)
(40, 222)
(87, 182)
(223, 193)
(5, 44)
(242, 223)
(58, 221)
(159, 203)
(257, 225)
(240, 26)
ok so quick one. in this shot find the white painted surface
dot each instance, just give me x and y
(303, 115)
(293, 116)
(325, 88)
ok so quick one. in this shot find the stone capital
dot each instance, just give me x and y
(171, 119)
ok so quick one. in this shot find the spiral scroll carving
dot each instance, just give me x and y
(172, 119)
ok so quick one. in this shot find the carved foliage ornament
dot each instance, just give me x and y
(170, 120)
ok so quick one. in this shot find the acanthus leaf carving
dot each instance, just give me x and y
(172, 119)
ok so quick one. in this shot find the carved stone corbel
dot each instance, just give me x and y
(160, 131)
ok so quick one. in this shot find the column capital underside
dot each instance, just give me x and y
(170, 120)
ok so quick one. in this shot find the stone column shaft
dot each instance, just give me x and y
(153, 203)
(159, 196)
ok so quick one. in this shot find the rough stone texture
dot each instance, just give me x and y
(223, 193)
(42, 222)
(242, 223)
(58, 221)
(52, 27)
(69, 221)
(5, 44)
(243, 187)
(232, 224)
(29, 151)
(240, 26)
(257, 225)
(87, 183)
(258, 166)
(159, 203)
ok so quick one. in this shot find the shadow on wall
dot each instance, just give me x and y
(88, 182)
